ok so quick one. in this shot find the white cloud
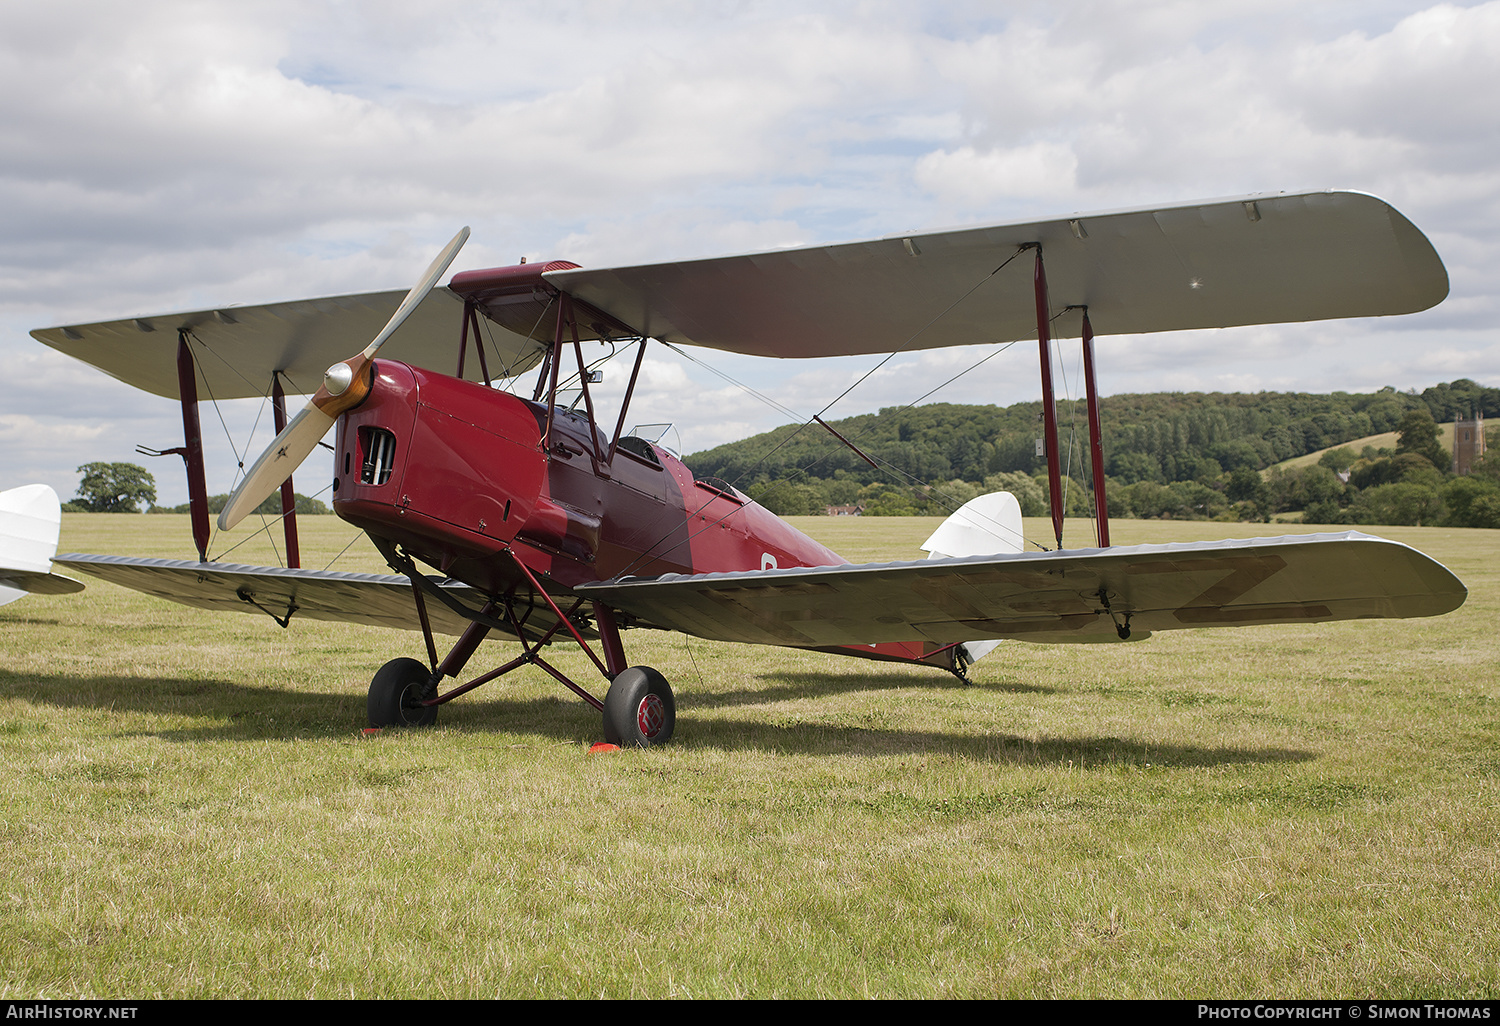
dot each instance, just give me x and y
(159, 156)
(1041, 170)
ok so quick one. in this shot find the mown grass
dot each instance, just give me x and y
(190, 809)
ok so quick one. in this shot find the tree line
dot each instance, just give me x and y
(1168, 455)
(129, 488)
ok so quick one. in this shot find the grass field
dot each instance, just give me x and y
(190, 809)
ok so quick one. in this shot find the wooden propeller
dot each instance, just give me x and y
(345, 386)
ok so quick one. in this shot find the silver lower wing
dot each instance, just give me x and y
(381, 600)
(1073, 596)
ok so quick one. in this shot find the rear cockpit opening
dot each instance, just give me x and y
(640, 449)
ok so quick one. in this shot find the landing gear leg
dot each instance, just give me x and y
(639, 710)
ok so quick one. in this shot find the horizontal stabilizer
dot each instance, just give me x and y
(982, 526)
(35, 583)
(1077, 595)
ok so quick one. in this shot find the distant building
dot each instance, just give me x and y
(1468, 443)
(845, 511)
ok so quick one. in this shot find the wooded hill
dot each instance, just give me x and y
(1181, 455)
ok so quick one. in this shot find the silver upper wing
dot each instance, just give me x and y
(1252, 260)
(238, 348)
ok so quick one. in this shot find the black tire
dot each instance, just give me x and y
(639, 710)
(397, 687)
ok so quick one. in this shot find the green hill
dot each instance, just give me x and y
(1385, 440)
(1176, 454)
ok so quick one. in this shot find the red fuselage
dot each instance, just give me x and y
(465, 477)
(456, 473)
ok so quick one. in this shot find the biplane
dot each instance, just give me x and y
(514, 512)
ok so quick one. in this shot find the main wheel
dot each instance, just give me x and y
(394, 693)
(639, 710)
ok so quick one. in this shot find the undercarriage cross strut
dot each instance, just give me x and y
(639, 708)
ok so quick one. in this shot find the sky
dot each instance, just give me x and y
(160, 156)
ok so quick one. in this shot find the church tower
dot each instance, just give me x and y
(1468, 443)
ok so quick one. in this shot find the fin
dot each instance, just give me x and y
(30, 521)
(986, 526)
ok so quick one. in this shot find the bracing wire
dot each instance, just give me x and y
(214, 401)
(948, 501)
(267, 525)
(508, 371)
(239, 456)
(806, 422)
(343, 550)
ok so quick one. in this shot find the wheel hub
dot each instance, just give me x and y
(651, 716)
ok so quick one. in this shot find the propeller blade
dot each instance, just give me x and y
(419, 291)
(351, 381)
(285, 454)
